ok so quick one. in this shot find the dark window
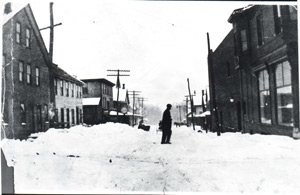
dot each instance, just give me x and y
(28, 38)
(72, 89)
(28, 73)
(259, 24)
(277, 18)
(235, 39)
(62, 115)
(21, 71)
(18, 32)
(284, 94)
(37, 76)
(55, 86)
(73, 116)
(264, 97)
(244, 42)
(85, 90)
(61, 88)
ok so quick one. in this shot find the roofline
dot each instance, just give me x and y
(239, 11)
(99, 79)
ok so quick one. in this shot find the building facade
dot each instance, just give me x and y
(68, 98)
(265, 58)
(97, 88)
(25, 76)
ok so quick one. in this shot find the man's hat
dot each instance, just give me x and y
(169, 105)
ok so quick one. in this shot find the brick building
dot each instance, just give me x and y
(25, 75)
(97, 100)
(68, 98)
(265, 58)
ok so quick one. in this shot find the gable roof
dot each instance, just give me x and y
(18, 7)
(60, 73)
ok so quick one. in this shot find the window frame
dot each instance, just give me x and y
(28, 37)
(28, 74)
(261, 92)
(37, 76)
(21, 71)
(244, 40)
(259, 30)
(18, 32)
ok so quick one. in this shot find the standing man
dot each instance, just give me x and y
(166, 126)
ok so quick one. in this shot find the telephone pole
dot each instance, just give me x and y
(118, 85)
(51, 27)
(134, 93)
(191, 99)
(142, 100)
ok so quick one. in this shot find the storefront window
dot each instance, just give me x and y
(264, 97)
(284, 94)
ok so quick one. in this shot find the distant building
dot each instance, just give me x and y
(121, 105)
(257, 91)
(68, 98)
(97, 100)
(25, 81)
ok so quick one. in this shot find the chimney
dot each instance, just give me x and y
(123, 86)
(7, 8)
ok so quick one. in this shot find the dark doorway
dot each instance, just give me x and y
(62, 115)
(77, 115)
(39, 118)
(68, 117)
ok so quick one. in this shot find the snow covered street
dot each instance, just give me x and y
(116, 158)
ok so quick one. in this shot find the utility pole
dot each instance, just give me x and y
(134, 93)
(213, 108)
(191, 99)
(118, 85)
(51, 27)
(187, 110)
(203, 105)
(142, 100)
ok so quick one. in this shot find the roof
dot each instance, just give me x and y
(90, 101)
(102, 80)
(238, 12)
(60, 73)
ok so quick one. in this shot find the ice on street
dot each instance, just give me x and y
(117, 158)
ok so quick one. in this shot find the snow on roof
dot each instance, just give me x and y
(204, 114)
(15, 8)
(90, 101)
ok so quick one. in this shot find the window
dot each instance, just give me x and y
(18, 32)
(244, 43)
(61, 88)
(259, 24)
(28, 73)
(79, 92)
(62, 115)
(264, 97)
(72, 89)
(21, 71)
(73, 116)
(67, 89)
(85, 90)
(277, 18)
(293, 12)
(234, 39)
(28, 38)
(77, 89)
(55, 86)
(284, 94)
(37, 76)
(23, 114)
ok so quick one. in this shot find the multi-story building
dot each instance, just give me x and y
(68, 98)
(97, 100)
(25, 75)
(265, 57)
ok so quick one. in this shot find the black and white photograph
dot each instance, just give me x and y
(149, 97)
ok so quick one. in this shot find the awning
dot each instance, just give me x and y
(90, 101)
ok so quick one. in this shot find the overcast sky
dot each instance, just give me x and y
(162, 43)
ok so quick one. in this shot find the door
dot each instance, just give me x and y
(39, 118)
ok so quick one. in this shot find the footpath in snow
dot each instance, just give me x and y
(116, 158)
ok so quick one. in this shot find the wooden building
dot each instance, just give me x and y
(97, 110)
